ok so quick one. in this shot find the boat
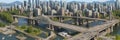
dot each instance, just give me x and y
(64, 34)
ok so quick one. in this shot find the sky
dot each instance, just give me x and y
(9, 1)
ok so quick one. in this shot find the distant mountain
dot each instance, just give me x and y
(11, 4)
(111, 1)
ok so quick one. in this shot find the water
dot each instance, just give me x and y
(7, 37)
(22, 21)
(92, 24)
(95, 23)
(13, 37)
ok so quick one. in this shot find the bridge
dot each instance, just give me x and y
(63, 17)
(58, 24)
(86, 34)
(96, 31)
(46, 20)
(76, 17)
(18, 16)
(78, 20)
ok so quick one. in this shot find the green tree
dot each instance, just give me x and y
(29, 29)
(24, 27)
(116, 14)
(7, 17)
(2, 24)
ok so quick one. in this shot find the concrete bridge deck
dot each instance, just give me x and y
(68, 26)
(63, 16)
(21, 17)
(92, 32)
(62, 25)
(78, 17)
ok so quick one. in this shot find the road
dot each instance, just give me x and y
(92, 32)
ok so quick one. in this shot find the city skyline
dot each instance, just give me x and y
(9, 1)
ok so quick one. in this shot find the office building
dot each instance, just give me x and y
(117, 3)
(37, 12)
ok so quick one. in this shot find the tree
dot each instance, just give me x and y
(7, 17)
(2, 24)
(23, 27)
(116, 13)
(29, 29)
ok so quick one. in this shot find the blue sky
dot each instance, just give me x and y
(8, 1)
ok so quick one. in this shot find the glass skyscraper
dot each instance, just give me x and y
(117, 3)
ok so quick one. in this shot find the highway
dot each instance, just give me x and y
(77, 17)
(64, 17)
(92, 32)
(63, 25)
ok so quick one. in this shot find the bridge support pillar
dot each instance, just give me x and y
(60, 19)
(50, 27)
(108, 30)
(77, 21)
(95, 38)
(87, 23)
(31, 21)
(36, 22)
(15, 19)
(112, 29)
(82, 21)
(118, 24)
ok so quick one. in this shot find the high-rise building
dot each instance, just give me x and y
(33, 3)
(37, 2)
(15, 6)
(37, 12)
(117, 3)
(79, 6)
(84, 6)
(0, 8)
(61, 12)
(29, 3)
(25, 4)
(44, 9)
(64, 4)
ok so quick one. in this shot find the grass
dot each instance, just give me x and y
(55, 19)
(2, 24)
(30, 30)
(117, 37)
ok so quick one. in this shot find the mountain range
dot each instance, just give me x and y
(11, 4)
(19, 3)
